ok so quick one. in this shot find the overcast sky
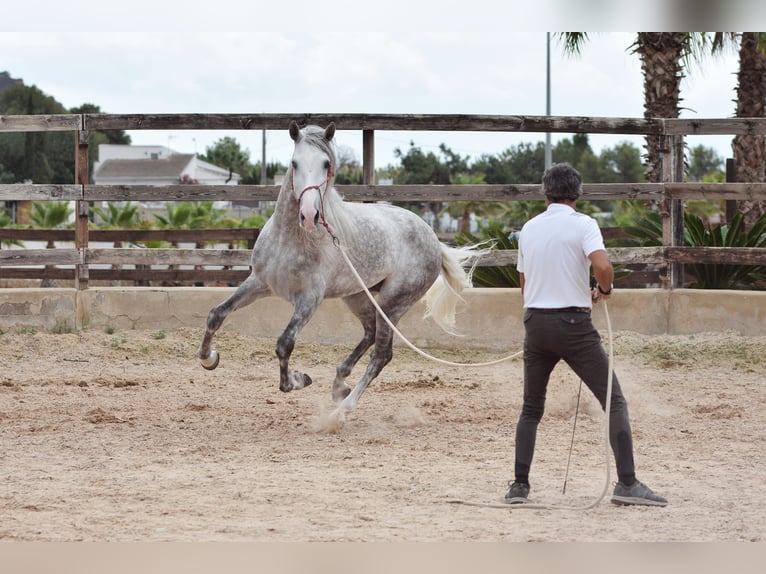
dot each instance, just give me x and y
(344, 62)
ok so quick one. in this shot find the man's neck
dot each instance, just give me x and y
(566, 202)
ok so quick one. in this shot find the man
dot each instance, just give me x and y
(556, 250)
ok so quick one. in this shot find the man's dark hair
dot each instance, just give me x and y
(562, 182)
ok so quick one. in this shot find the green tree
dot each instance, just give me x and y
(419, 167)
(665, 56)
(519, 212)
(620, 164)
(118, 137)
(703, 161)
(348, 171)
(578, 153)
(227, 153)
(50, 215)
(5, 221)
(119, 215)
(522, 163)
(498, 238)
(733, 234)
(33, 156)
(44, 157)
(190, 215)
(464, 209)
(5, 175)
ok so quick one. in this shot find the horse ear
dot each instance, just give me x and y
(295, 131)
(329, 131)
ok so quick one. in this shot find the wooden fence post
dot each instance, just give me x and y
(82, 210)
(731, 176)
(368, 156)
(673, 209)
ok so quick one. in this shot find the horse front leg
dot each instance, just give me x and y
(290, 380)
(246, 293)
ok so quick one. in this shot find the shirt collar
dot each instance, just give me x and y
(559, 207)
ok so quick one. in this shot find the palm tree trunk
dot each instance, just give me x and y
(661, 56)
(749, 149)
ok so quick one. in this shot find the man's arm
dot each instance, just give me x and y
(603, 271)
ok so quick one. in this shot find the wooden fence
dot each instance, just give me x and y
(670, 193)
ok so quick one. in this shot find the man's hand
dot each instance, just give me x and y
(596, 295)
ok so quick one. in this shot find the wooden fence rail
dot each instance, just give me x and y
(222, 235)
(671, 192)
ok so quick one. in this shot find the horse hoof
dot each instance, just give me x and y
(338, 396)
(336, 420)
(296, 381)
(212, 361)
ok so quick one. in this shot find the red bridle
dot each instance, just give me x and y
(318, 187)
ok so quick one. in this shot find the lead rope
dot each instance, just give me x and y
(399, 333)
(607, 405)
(571, 443)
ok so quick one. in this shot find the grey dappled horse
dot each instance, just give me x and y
(297, 257)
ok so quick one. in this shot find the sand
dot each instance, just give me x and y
(122, 436)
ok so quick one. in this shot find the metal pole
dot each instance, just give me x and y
(548, 159)
(263, 158)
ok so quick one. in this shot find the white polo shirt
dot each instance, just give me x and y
(553, 256)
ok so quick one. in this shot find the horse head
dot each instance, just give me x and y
(312, 169)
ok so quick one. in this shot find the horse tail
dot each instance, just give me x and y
(443, 296)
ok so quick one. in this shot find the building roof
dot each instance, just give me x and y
(170, 167)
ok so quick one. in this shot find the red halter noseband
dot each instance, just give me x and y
(318, 187)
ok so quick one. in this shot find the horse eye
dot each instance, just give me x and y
(327, 164)
(294, 164)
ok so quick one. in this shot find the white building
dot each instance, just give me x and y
(155, 165)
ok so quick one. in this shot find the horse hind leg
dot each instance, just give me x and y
(246, 293)
(381, 355)
(361, 307)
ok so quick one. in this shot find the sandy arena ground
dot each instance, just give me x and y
(124, 437)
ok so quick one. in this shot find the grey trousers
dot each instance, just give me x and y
(553, 335)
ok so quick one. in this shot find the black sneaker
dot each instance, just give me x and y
(517, 493)
(636, 494)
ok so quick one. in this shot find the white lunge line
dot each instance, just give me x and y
(403, 338)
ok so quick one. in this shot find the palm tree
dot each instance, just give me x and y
(5, 221)
(750, 150)
(50, 215)
(115, 216)
(190, 215)
(463, 209)
(664, 57)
